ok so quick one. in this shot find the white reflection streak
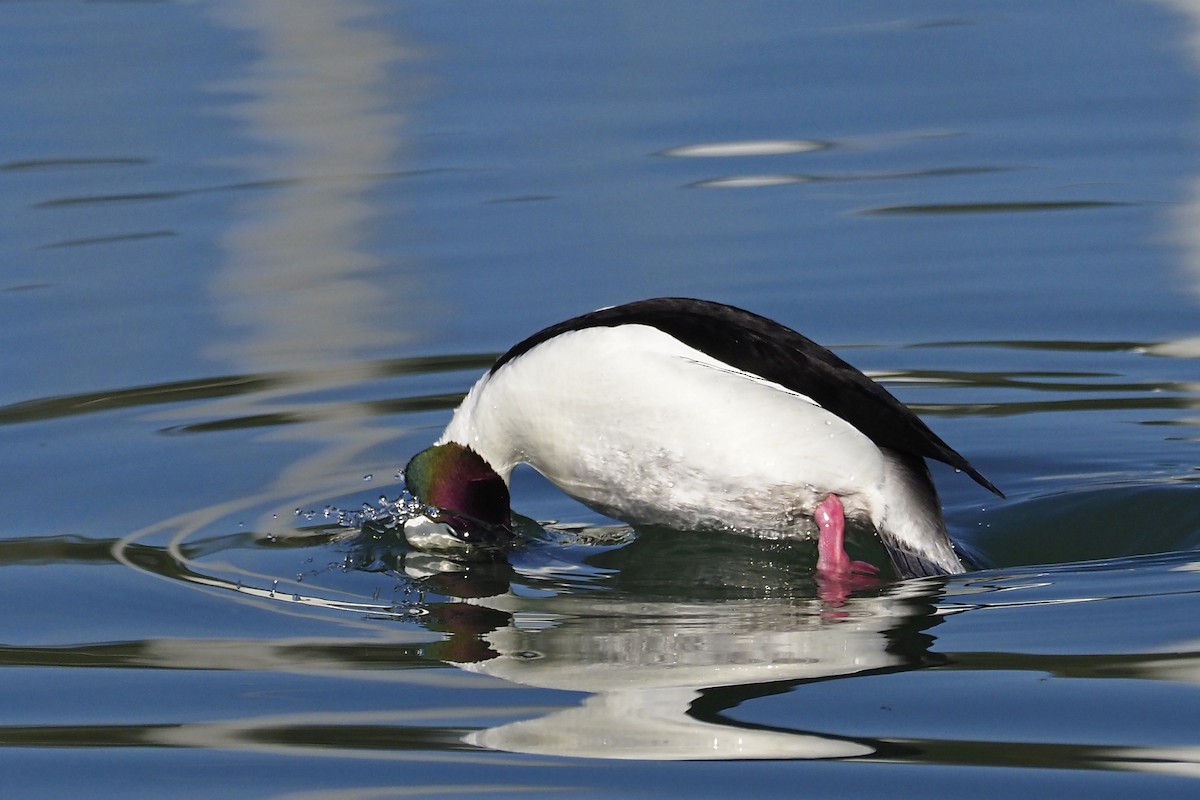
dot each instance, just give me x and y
(296, 288)
(1187, 216)
(295, 284)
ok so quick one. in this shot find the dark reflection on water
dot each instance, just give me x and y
(177, 194)
(114, 239)
(783, 179)
(190, 391)
(996, 207)
(71, 163)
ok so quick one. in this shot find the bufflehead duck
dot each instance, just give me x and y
(696, 415)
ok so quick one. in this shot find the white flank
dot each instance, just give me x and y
(638, 425)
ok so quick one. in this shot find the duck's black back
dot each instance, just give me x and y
(763, 347)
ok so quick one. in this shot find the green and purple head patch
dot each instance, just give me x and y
(457, 481)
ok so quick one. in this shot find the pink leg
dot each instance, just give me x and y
(832, 559)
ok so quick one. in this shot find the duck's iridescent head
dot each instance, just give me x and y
(468, 494)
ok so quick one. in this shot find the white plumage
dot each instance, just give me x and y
(640, 426)
(645, 427)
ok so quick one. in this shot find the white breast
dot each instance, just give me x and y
(642, 427)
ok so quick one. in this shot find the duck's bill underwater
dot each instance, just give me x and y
(692, 415)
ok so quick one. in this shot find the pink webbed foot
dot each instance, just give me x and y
(837, 574)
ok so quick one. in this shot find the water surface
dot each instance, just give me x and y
(256, 252)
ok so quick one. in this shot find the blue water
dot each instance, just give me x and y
(255, 252)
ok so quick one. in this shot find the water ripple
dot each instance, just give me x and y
(997, 207)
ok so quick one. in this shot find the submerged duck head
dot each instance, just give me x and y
(468, 494)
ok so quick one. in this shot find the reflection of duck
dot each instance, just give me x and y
(663, 657)
(674, 645)
(694, 415)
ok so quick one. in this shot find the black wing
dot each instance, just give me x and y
(761, 346)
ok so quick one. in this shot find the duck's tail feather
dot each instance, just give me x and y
(912, 528)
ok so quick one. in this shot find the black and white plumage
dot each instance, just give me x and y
(697, 415)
